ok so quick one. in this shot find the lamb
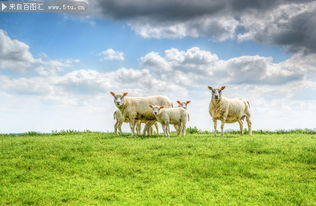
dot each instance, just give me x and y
(228, 110)
(184, 105)
(136, 108)
(119, 119)
(176, 116)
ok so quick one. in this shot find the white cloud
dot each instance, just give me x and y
(52, 67)
(196, 67)
(14, 54)
(111, 54)
(220, 29)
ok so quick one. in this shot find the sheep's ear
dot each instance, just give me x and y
(113, 94)
(151, 106)
(124, 94)
(178, 102)
(161, 107)
(210, 88)
(223, 87)
(188, 102)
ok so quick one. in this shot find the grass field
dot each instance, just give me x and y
(104, 169)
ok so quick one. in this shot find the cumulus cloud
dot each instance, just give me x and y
(111, 54)
(14, 54)
(195, 67)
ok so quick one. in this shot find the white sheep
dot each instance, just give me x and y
(176, 116)
(228, 110)
(119, 120)
(184, 104)
(136, 109)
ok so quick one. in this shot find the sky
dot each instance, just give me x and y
(57, 69)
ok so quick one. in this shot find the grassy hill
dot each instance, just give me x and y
(104, 169)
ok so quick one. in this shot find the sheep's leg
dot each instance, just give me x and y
(148, 125)
(249, 123)
(157, 127)
(164, 127)
(176, 126)
(120, 127)
(168, 129)
(184, 129)
(132, 126)
(180, 126)
(138, 127)
(241, 126)
(215, 126)
(146, 129)
(222, 127)
(115, 128)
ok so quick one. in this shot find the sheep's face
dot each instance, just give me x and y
(216, 93)
(119, 98)
(184, 105)
(155, 108)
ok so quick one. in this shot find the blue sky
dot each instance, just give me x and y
(64, 52)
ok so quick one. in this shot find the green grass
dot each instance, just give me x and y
(73, 168)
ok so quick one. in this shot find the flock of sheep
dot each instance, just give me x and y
(153, 109)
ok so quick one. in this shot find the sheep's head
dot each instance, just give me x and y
(216, 93)
(119, 98)
(155, 108)
(184, 105)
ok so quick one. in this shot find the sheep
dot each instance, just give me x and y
(119, 119)
(136, 108)
(184, 105)
(228, 110)
(176, 116)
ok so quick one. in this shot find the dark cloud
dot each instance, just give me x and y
(159, 9)
(174, 10)
(177, 18)
(299, 34)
